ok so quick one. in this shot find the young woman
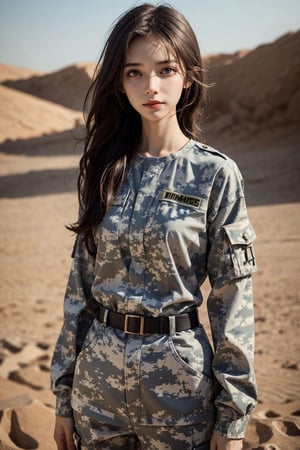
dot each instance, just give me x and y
(159, 212)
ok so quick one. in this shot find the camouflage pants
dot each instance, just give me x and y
(98, 436)
(143, 392)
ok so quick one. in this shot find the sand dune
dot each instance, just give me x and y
(256, 90)
(16, 73)
(254, 115)
(67, 87)
(24, 116)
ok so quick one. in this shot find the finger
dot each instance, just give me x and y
(212, 446)
(61, 439)
(60, 443)
(70, 444)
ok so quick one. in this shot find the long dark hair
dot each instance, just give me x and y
(113, 127)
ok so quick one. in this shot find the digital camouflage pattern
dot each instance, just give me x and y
(149, 437)
(176, 220)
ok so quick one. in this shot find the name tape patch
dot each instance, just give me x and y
(176, 197)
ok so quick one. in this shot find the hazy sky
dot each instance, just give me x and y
(50, 34)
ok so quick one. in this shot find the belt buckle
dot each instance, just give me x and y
(134, 316)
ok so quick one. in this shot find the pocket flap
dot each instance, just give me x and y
(240, 233)
(239, 249)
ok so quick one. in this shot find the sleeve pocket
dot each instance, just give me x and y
(239, 238)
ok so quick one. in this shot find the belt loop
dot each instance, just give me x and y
(105, 315)
(172, 325)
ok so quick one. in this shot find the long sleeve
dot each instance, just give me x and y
(230, 304)
(79, 311)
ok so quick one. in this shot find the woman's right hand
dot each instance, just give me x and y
(63, 433)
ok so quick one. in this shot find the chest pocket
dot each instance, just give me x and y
(172, 217)
(240, 237)
(174, 228)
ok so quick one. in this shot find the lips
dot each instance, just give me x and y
(153, 103)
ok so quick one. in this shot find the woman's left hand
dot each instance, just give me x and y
(219, 442)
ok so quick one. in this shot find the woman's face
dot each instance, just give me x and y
(152, 79)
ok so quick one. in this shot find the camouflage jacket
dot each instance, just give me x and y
(176, 220)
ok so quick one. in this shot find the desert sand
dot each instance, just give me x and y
(253, 116)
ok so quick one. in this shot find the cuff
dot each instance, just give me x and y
(229, 424)
(63, 404)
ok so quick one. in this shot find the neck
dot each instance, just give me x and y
(159, 139)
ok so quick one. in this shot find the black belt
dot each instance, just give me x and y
(137, 324)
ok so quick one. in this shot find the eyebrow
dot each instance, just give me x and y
(166, 61)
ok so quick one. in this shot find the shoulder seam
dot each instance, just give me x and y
(211, 150)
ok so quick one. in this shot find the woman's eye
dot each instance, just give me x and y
(133, 73)
(168, 70)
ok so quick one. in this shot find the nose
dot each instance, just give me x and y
(152, 87)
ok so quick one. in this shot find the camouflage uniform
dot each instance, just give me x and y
(175, 220)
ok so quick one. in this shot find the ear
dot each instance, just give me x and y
(121, 89)
(189, 78)
(187, 84)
